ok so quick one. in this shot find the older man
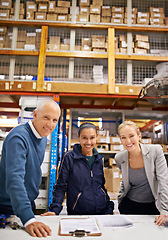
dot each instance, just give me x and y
(20, 167)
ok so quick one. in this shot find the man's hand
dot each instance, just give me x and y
(38, 229)
(159, 220)
(48, 214)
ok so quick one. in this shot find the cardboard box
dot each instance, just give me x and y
(54, 40)
(102, 147)
(140, 51)
(140, 44)
(65, 4)
(143, 21)
(118, 9)
(105, 19)
(30, 15)
(65, 47)
(116, 147)
(51, 17)
(40, 16)
(62, 17)
(30, 47)
(21, 35)
(115, 140)
(31, 38)
(142, 15)
(101, 139)
(86, 41)
(98, 41)
(159, 21)
(3, 30)
(6, 4)
(166, 21)
(158, 10)
(61, 10)
(146, 140)
(53, 47)
(157, 15)
(84, 10)
(113, 180)
(95, 9)
(123, 44)
(97, 2)
(51, 7)
(77, 48)
(122, 37)
(106, 11)
(134, 10)
(98, 49)
(123, 50)
(83, 18)
(86, 48)
(94, 18)
(84, 2)
(39, 1)
(20, 45)
(117, 15)
(43, 7)
(4, 13)
(117, 20)
(139, 37)
(31, 6)
(102, 132)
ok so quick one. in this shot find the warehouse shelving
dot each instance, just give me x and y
(122, 69)
(71, 30)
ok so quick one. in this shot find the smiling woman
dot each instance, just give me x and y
(144, 189)
(81, 176)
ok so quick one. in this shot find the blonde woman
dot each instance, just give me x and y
(144, 189)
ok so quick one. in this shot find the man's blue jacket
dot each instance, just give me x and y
(84, 186)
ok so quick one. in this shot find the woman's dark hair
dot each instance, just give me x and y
(86, 125)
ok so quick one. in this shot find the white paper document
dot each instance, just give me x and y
(114, 221)
(71, 224)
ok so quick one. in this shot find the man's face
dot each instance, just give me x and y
(45, 120)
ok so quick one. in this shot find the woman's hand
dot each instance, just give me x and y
(48, 214)
(159, 220)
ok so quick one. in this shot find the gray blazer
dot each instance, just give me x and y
(156, 171)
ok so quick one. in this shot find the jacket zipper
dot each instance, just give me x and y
(103, 192)
(76, 200)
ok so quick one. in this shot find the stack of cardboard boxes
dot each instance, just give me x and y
(87, 11)
(95, 11)
(5, 6)
(103, 140)
(141, 44)
(156, 16)
(112, 176)
(3, 32)
(115, 144)
(28, 40)
(117, 15)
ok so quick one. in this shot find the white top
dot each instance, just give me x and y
(143, 228)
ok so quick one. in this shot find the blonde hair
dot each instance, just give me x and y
(129, 123)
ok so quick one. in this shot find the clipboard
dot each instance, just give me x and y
(81, 229)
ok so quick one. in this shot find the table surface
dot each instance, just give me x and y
(143, 228)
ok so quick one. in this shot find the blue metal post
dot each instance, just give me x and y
(64, 132)
(53, 163)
